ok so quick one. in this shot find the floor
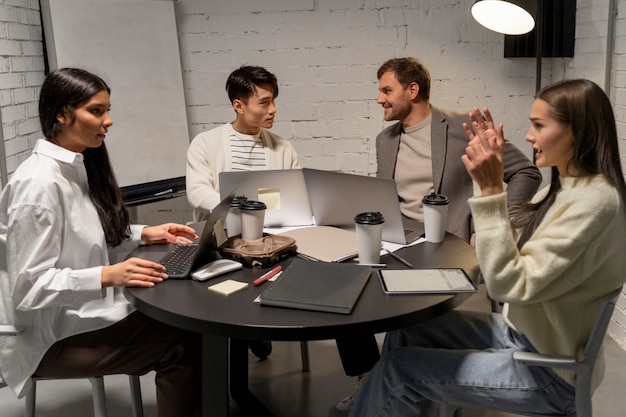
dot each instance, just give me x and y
(280, 383)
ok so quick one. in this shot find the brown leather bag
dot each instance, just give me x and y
(264, 252)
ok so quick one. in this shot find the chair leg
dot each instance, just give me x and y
(29, 400)
(135, 395)
(99, 397)
(304, 352)
(98, 394)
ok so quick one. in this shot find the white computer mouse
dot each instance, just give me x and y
(215, 268)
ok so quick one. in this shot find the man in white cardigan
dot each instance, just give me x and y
(242, 145)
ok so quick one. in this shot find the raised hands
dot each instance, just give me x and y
(483, 157)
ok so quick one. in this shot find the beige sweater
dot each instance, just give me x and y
(554, 287)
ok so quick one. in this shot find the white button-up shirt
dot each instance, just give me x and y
(52, 249)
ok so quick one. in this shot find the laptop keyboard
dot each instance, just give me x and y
(178, 261)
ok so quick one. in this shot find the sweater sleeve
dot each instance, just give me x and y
(202, 174)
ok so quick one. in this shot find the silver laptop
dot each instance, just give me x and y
(282, 190)
(337, 197)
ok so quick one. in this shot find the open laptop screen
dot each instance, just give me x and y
(283, 191)
(337, 197)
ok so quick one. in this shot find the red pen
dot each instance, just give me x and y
(266, 276)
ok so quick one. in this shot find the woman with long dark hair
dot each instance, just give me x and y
(61, 217)
(553, 263)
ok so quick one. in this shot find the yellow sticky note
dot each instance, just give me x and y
(228, 287)
(271, 197)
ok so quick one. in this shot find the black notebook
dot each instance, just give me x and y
(321, 286)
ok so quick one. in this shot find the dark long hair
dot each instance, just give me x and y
(67, 89)
(583, 106)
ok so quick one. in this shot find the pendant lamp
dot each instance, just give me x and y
(510, 17)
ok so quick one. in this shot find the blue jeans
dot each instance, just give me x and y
(462, 358)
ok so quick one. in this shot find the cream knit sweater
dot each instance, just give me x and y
(554, 287)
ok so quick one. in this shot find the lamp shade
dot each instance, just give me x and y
(511, 17)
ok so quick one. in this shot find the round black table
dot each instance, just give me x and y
(189, 305)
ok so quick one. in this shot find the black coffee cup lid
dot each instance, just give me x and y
(237, 200)
(252, 205)
(370, 217)
(435, 199)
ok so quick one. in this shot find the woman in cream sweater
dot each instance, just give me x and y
(553, 263)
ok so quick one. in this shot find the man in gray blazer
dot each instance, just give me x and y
(422, 153)
(449, 177)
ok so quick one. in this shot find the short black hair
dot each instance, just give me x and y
(242, 83)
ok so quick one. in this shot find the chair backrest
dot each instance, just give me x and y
(599, 330)
(584, 369)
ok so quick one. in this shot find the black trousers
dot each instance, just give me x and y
(135, 346)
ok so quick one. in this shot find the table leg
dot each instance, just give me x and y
(214, 376)
(239, 389)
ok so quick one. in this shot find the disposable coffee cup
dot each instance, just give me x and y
(369, 233)
(435, 213)
(252, 218)
(233, 218)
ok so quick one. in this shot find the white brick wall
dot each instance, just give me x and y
(617, 329)
(21, 73)
(325, 54)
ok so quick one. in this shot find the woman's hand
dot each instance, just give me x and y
(167, 233)
(483, 157)
(133, 272)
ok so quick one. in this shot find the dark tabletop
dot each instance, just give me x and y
(189, 305)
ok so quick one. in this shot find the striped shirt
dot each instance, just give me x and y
(248, 152)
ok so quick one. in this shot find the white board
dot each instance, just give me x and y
(133, 46)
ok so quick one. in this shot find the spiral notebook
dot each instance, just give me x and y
(320, 286)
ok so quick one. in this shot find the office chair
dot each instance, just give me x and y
(97, 387)
(583, 369)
